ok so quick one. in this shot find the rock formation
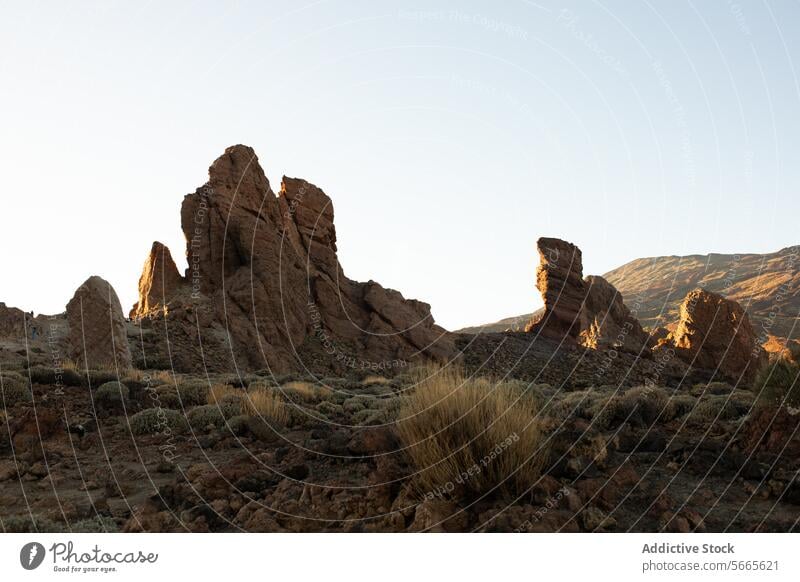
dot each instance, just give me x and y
(714, 333)
(12, 322)
(607, 322)
(159, 282)
(559, 279)
(97, 335)
(264, 287)
(588, 312)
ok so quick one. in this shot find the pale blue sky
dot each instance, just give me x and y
(450, 135)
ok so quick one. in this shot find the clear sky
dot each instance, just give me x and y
(450, 135)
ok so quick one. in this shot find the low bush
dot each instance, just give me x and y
(358, 403)
(713, 408)
(56, 376)
(112, 394)
(13, 391)
(184, 394)
(776, 384)
(214, 415)
(156, 420)
(640, 406)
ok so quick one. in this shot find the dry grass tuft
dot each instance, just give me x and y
(223, 392)
(306, 392)
(467, 437)
(265, 404)
(372, 380)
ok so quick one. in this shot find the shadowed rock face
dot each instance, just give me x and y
(97, 335)
(264, 286)
(12, 322)
(715, 333)
(607, 322)
(159, 282)
(588, 312)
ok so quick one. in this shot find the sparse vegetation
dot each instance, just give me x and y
(156, 420)
(55, 376)
(777, 384)
(111, 394)
(214, 415)
(305, 392)
(639, 406)
(224, 393)
(184, 394)
(14, 390)
(713, 408)
(370, 380)
(266, 404)
(467, 437)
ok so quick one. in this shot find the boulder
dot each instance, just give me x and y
(714, 333)
(265, 289)
(12, 322)
(97, 335)
(159, 282)
(589, 312)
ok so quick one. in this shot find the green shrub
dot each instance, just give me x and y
(239, 424)
(777, 384)
(329, 409)
(112, 394)
(369, 417)
(682, 404)
(185, 394)
(26, 524)
(640, 406)
(713, 408)
(97, 524)
(358, 403)
(155, 420)
(14, 390)
(212, 415)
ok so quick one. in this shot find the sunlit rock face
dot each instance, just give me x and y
(264, 287)
(97, 335)
(159, 282)
(588, 312)
(715, 333)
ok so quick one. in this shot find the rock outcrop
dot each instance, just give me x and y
(714, 333)
(607, 322)
(588, 312)
(265, 288)
(97, 335)
(559, 279)
(159, 282)
(12, 322)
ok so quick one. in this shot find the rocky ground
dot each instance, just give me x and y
(619, 455)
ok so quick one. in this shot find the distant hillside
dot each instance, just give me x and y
(768, 286)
